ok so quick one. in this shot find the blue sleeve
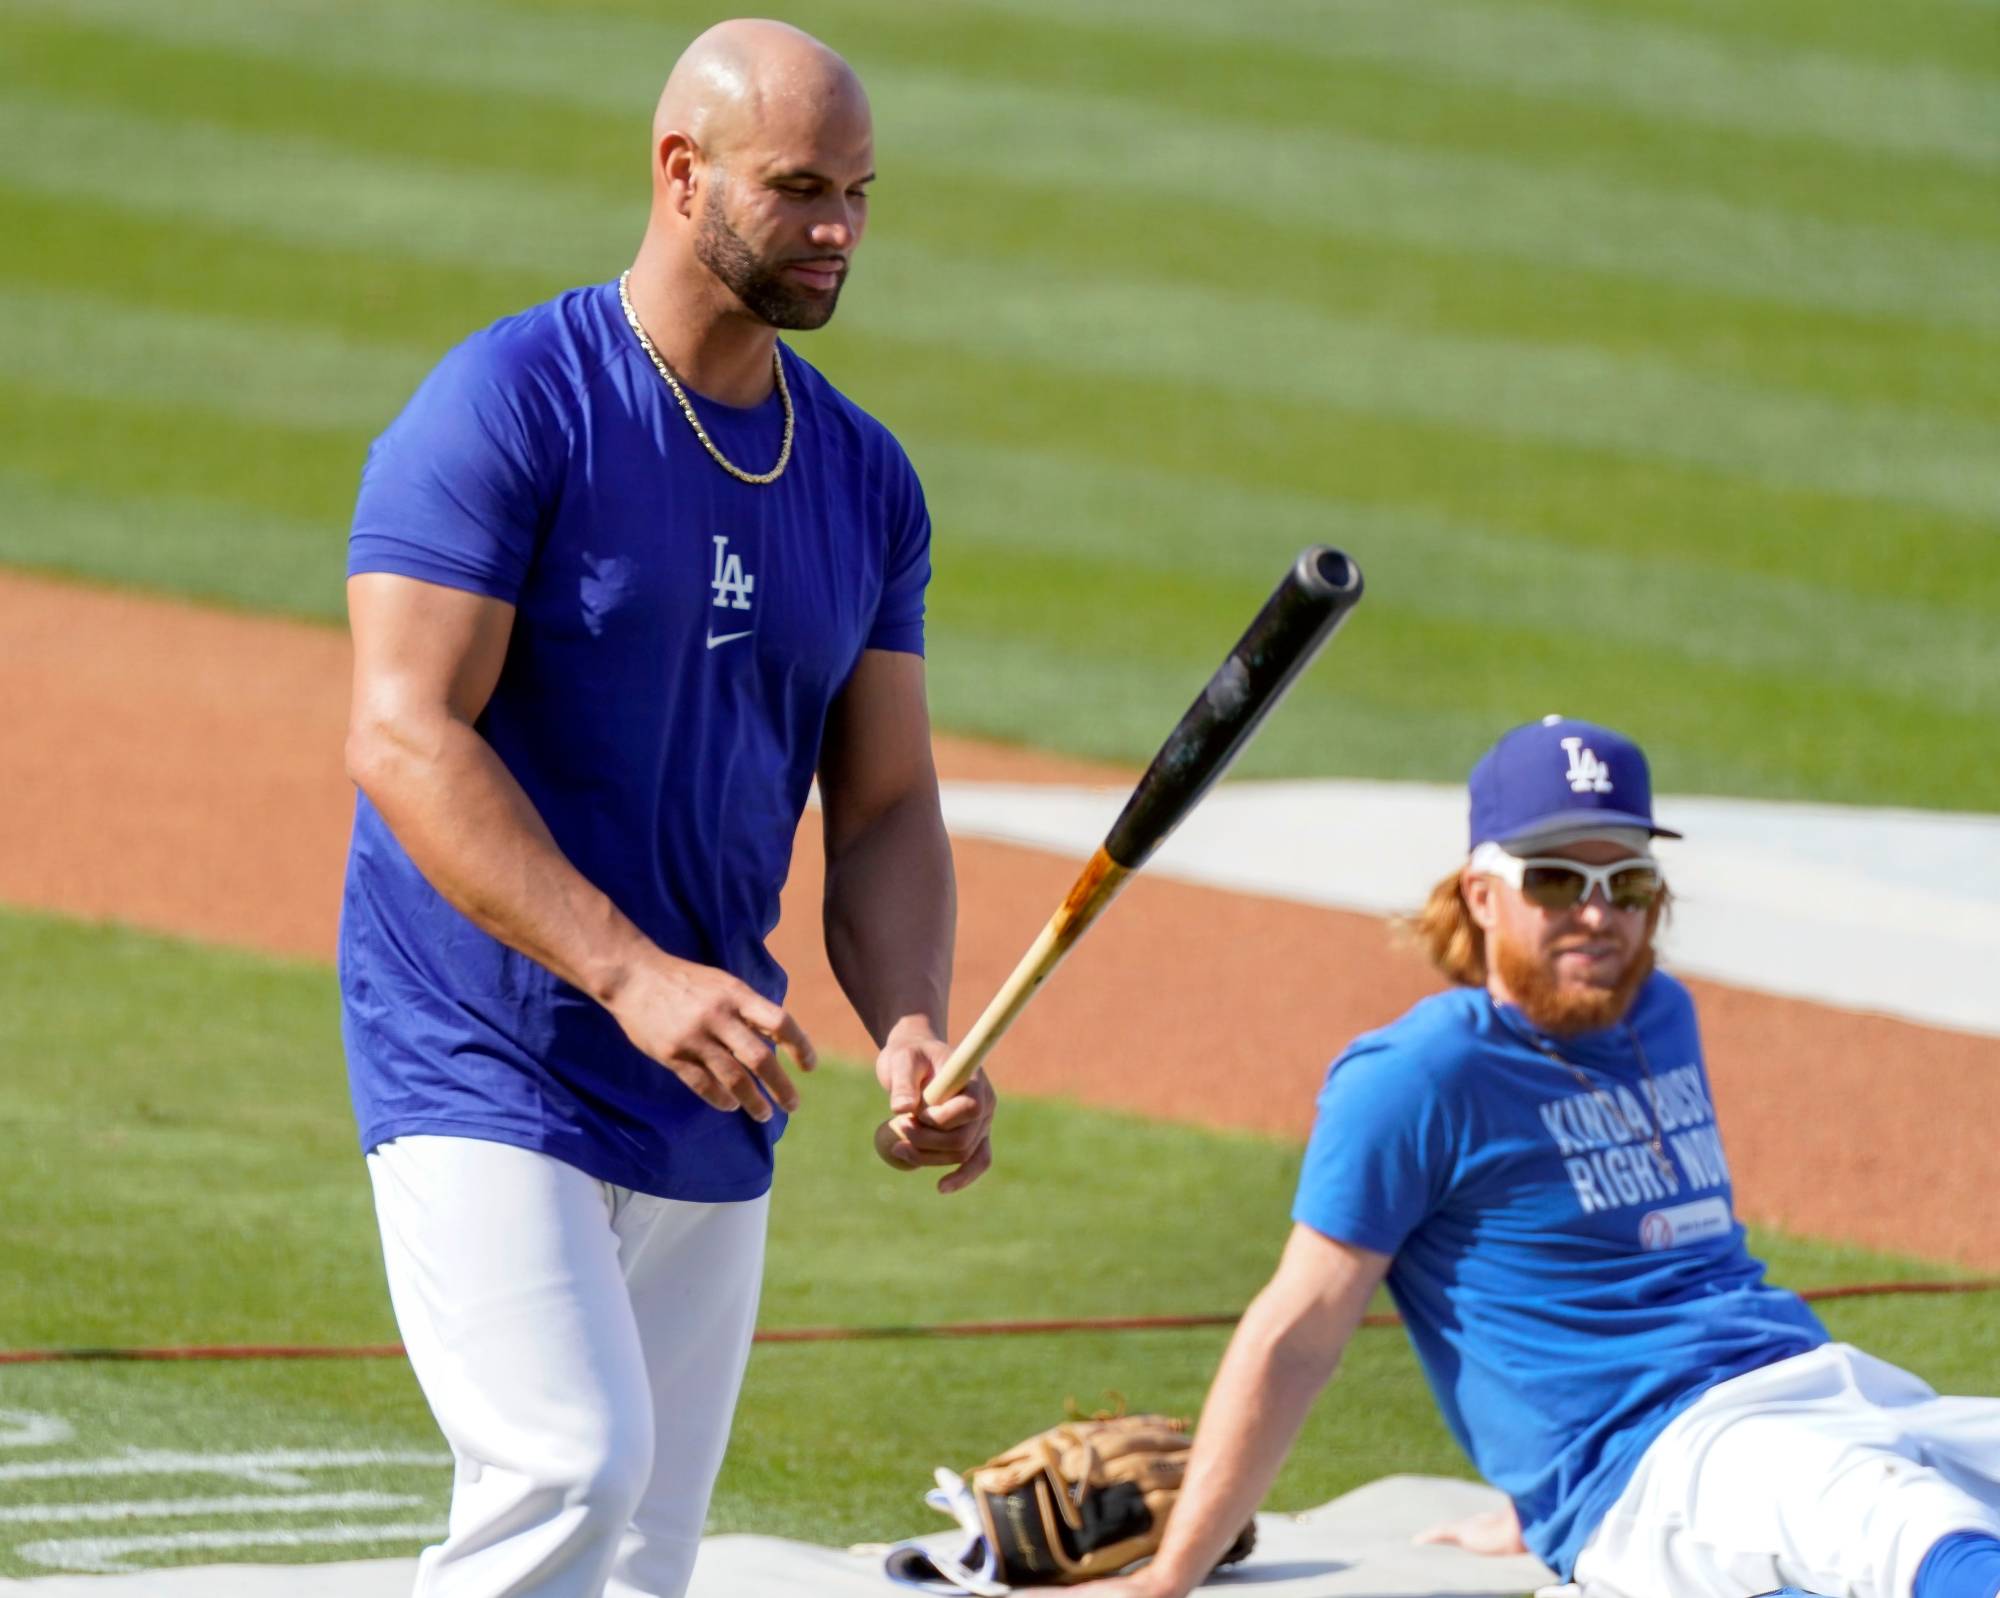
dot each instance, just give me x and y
(456, 491)
(899, 617)
(1381, 1156)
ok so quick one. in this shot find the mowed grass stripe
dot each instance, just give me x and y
(1408, 695)
(231, 367)
(1577, 396)
(1587, 499)
(1464, 202)
(541, 92)
(1549, 498)
(87, 247)
(1427, 565)
(350, 291)
(1941, 33)
(310, 192)
(138, 453)
(1938, 33)
(204, 547)
(331, 82)
(1455, 199)
(1365, 473)
(1243, 86)
(99, 246)
(1830, 355)
(272, 373)
(1369, 459)
(1676, 74)
(1584, 499)
(1700, 329)
(1242, 349)
(1771, 433)
(578, 58)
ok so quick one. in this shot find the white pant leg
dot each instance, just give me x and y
(1960, 1438)
(1831, 1471)
(694, 1272)
(504, 1272)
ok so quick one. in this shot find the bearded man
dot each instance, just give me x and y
(625, 575)
(1530, 1162)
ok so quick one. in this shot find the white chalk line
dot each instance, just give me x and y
(106, 1555)
(276, 1468)
(169, 1508)
(271, 1468)
(24, 1428)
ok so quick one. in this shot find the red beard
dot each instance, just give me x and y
(1565, 1011)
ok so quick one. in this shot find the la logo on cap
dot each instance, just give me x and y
(1557, 775)
(1586, 774)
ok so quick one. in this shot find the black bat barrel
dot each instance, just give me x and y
(1300, 616)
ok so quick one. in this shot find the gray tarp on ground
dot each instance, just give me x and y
(1357, 1545)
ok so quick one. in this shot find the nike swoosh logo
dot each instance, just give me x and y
(724, 638)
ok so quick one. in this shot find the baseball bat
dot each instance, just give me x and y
(1303, 612)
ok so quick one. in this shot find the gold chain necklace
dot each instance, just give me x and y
(687, 410)
(1610, 1103)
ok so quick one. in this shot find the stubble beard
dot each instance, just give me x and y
(754, 281)
(1567, 1009)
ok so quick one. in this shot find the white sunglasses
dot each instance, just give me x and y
(1553, 883)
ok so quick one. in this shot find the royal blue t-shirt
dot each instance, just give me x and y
(678, 638)
(1567, 1295)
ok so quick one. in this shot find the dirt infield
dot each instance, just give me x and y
(179, 769)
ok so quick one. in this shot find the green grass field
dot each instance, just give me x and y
(185, 1173)
(1644, 354)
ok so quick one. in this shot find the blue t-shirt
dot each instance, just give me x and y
(1567, 1295)
(678, 638)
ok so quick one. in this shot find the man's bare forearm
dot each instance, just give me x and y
(1261, 1395)
(478, 839)
(891, 907)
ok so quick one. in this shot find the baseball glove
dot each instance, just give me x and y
(1076, 1502)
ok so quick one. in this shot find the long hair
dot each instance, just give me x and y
(1456, 944)
(1446, 933)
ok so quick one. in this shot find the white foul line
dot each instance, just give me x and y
(274, 1468)
(24, 1428)
(102, 1554)
(241, 1504)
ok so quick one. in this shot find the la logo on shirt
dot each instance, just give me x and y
(732, 586)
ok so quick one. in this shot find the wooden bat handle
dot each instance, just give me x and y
(1094, 888)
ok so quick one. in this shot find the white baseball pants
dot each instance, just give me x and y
(1832, 1471)
(581, 1346)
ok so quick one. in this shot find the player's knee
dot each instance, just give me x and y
(608, 1472)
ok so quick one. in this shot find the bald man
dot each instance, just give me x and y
(625, 575)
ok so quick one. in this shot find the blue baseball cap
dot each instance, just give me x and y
(1555, 774)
